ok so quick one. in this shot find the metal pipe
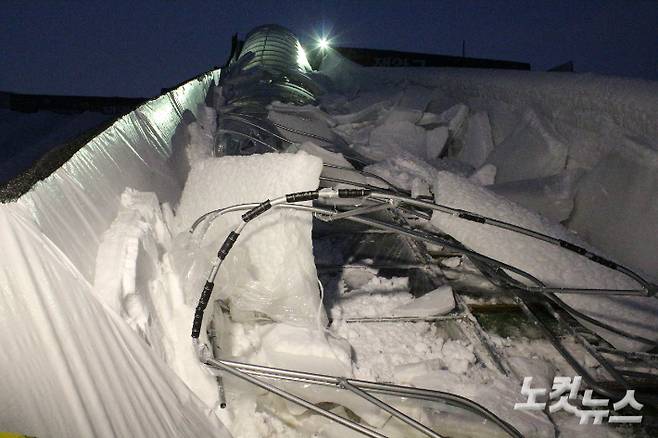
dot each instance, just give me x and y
(344, 383)
(375, 387)
(648, 288)
(405, 319)
(436, 240)
(294, 399)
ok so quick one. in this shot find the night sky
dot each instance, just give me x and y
(135, 48)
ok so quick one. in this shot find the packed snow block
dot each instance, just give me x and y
(369, 113)
(533, 150)
(477, 143)
(389, 138)
(616, 206)
(551, 196)
(415, 98)
(402, 115)
(437, 302)
(193, 140)
(454, 118)
(301, 348)
(435, 141)
(553, 265)
(503, 117)
(484, 176)
(127, 263)
(270, 269)
(403, 169)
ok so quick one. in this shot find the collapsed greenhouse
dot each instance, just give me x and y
(378, 252)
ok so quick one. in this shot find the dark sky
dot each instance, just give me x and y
(134, 48)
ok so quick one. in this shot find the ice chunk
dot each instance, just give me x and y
(128, 255)
(419, 188)
(327, 156)
(437, 302)
(358, 278)
(300, 348)
(533, 150)
(415, 97)
(551, 196)
(270, 269)
(457, 356)
(503, 117)
(402, 169)
(484, 176)
(435, 141)
(477, 141)
(388, 139)
(368, 113)
(403, 115)
(553, 265)
(617, 206)
(454, 117)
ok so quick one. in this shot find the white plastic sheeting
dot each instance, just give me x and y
(71, 367)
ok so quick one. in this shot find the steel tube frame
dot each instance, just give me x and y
(374, 387)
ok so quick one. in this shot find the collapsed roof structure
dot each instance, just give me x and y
(245, 268)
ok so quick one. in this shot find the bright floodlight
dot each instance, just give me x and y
(323, 43)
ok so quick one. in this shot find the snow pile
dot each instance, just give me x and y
(128, 256)
(270, 269)
(478, 142)
(193, 140)
(551, 264)
(552, 196)
(531, 151)
(540, 124)
(437, 302)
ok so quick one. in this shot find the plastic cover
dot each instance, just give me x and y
(69, 366)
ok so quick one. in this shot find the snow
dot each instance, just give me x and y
(271, 269)
(531, 151)
(286, 346)
(454, 118)
(551, 196)
(436, 141)
(551, 264)
(617, 199)
(477, 141)
(484, 176)
(437, 302)
(101, 276)
(604, 123)
(387, 138)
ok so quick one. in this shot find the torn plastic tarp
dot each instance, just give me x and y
(69, 366)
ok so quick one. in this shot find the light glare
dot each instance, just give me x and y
(323, 43)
